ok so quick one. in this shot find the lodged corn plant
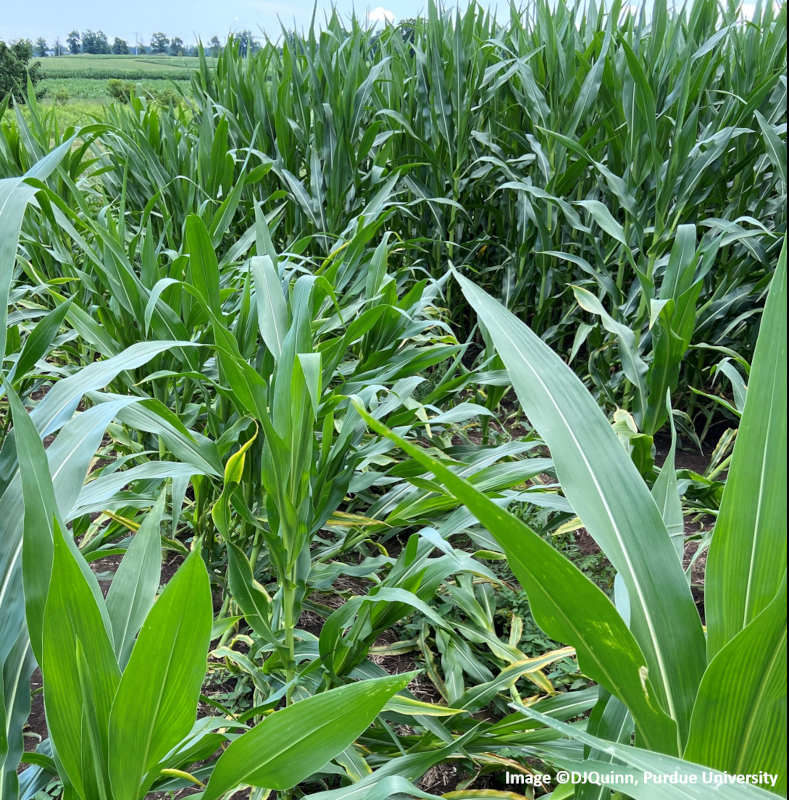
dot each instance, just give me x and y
(658, 678)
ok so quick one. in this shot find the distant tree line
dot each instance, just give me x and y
(97, 43)
(15, 68)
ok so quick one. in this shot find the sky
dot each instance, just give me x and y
(136, 20)
(188, 19)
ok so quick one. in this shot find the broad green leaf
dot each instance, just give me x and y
(747, 557)
(250, 595)
(739, 720)
(681, 265)
(291, 744)
(39, 510)
(645, 99)
(134, 586)
(775, 148)
(73, 623)
(636, 764)
(203, 265)
(50, 480)
(310, 366)
(272, 311)
(63, 398)
(262, 234)
(15, 195)
(604, 487)
(602, 216)
(633, 365)
(39, 341)
(610, 720)
(156, 701)
(668, 348)
(98, 492)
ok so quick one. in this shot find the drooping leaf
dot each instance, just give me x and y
(565, 603)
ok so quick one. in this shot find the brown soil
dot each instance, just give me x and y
(35, 731)
(586, 544)
(690, 458)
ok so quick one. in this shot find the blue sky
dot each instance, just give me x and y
(185, 18)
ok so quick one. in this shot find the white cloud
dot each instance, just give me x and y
(380, 14)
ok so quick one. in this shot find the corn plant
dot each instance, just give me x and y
(551, 147)
(217, 312)
(119, 706)
(539, 161)
(69, 458)
(648, 652)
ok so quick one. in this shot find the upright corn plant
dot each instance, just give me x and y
(270, 384)
(69, 457)
(529, 151)
(120, 708)
(663, 323)
(719, 704)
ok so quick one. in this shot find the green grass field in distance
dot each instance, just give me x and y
(120, 64)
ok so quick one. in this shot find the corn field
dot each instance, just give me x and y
(402, 413)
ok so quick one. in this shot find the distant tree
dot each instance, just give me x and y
(41, 47)
(177, 46)
(120, 47)
(246, 43)
(58, 48)
(215, 46)
(159, 42)
(15, 67)
(193, 50)
(408, 28)
(74, 43)
(95, 43)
